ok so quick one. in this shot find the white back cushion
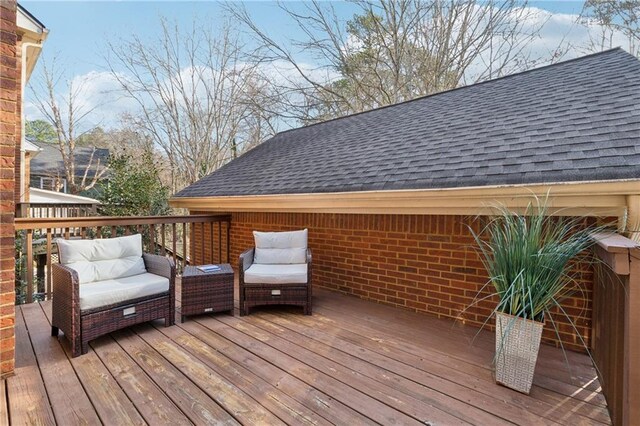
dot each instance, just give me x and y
(103, 259)
(274, 248)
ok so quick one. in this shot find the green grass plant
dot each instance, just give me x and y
(529, 258)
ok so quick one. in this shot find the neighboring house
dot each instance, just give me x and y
(47, 167)
(388, 195)
(21, 38)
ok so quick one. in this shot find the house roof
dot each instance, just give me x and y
(31, 147)
(49, 162)
(42, 196)
(573, 121)
(28, 21)
(33, 34)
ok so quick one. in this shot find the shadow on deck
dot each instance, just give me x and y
(352, 362)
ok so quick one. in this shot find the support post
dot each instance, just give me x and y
(616, 325)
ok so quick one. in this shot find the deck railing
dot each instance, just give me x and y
(616, 326)
(45, 210)
(166, 235)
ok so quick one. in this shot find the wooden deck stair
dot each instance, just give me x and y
(352, 362)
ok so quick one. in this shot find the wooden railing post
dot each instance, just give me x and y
(631, 413)
(616, 325)
(22, 210)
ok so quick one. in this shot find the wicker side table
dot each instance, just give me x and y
(206, 292)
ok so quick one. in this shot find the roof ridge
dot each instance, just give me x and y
(579, 58)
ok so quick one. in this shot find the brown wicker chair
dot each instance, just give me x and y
(81, 326)
(273, 294)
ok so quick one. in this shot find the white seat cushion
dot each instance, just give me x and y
(107, 292)
(276, 274)
(103, 259)
(276, 248)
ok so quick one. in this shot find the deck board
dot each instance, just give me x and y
(541, 401)
(233, 399)
(435, 406)
(318, 378)
(279, 403)
(152, 403)
(451, 337)
(68, 398)
(352, 362)
(110, 402)
(351, 374)
(27, 398)
(193, 401)
(448, 385)
(4, 408)
(319, 402)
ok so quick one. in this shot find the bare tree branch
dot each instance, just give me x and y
(68, 115)
(392, 51)
(199, 98)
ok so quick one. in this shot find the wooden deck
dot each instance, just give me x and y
(353, 362)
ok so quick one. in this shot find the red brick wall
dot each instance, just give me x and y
(422, 263)
(9, 137)
(18, 188)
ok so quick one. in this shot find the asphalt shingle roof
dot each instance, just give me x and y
(577, 120)
(49, 162)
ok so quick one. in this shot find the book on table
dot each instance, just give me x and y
(208, 268)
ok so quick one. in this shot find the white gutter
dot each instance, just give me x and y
(23, 83)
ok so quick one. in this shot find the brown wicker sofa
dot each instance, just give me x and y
(135, 289)
(277, 271)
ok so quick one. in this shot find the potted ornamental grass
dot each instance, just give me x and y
(528, 259)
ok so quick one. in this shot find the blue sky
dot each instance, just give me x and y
(79, 30)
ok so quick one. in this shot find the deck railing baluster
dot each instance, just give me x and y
(29, 265)
(164, 242)
(152, 238)
(228, 237)
(211, 258)
(220, 242)
(173, 242)
(202, 243)
(48, 278)
(185, 256)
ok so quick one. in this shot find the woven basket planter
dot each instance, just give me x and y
(517, 346)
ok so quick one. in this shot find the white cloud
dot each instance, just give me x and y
(101, 94)
(558, 28)
(283, 72)
(98, 95)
